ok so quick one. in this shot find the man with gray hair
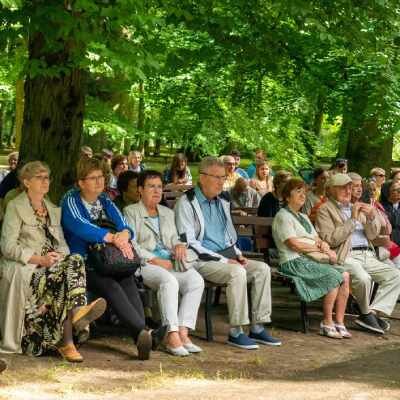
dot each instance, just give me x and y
(203, 219)
(349, 229)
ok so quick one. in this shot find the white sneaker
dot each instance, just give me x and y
(192, 348)
(177, 351)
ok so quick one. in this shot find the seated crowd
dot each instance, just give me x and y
(338, 236)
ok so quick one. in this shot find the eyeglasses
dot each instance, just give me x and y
(154, 187)
(395, 190)
(96, 179)
(220, 178)
(42, 178)
(381, 175)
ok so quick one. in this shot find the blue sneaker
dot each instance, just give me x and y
(264, 338)
(242, 341)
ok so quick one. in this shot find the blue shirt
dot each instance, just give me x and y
(214, 222)
(251, 170)
(160, 251)
(358, 238)
(242, 173)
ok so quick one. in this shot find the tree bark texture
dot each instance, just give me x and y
(53, 124)
(19, 111)
(363, 142)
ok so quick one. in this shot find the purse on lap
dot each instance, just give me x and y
(317, 256)
(108, 260)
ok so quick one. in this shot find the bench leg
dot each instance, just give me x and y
(208, 314)
(304, 316)
(217, 296)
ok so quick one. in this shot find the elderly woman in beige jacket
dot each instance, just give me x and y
(168, 268)
(42, 286)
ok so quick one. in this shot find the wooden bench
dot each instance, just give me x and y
(170, 198)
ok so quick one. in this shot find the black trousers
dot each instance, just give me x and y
(124, 298)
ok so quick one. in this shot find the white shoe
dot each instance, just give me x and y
(177, 351)
(192, 348)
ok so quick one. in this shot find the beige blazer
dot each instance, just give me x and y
(146, 237)
(21, 238)
(336, 231)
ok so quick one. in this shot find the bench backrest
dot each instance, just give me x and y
(259, 229)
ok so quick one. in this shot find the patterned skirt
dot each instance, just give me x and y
(312, 279)
(55, 291)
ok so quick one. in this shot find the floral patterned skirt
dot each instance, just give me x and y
(55, 291)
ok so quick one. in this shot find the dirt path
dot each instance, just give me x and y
(310, 367)
(305, 367)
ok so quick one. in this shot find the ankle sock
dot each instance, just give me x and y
(235, 331)
(257, 328)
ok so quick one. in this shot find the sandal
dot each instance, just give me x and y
(70, 353)
(329, 331)
(89, 313)
(343, 331)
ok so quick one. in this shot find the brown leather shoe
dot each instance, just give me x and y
(88, 314)
(70, 353)
(3, 365)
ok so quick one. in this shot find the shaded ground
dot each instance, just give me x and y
(305, 367)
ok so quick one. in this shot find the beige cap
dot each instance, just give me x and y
(339, 180)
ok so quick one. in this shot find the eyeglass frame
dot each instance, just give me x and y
(219, 178)
(94, 178)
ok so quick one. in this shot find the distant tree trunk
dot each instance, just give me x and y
(141, 120)
(53, 115)
(319, 115)
(157, 147)
(2, 113)
(19, 112)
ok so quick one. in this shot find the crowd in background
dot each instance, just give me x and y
(337, 234)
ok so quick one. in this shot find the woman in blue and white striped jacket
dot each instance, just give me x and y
(81, 208)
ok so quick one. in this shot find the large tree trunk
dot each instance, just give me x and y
(53, 124)
(53, 116)
(362, 142)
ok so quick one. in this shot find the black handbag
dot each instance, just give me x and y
(108, 260)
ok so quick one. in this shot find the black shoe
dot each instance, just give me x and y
(384, 324)
(3, 366)
(144, 344)
(369, 322)
(158, 336)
